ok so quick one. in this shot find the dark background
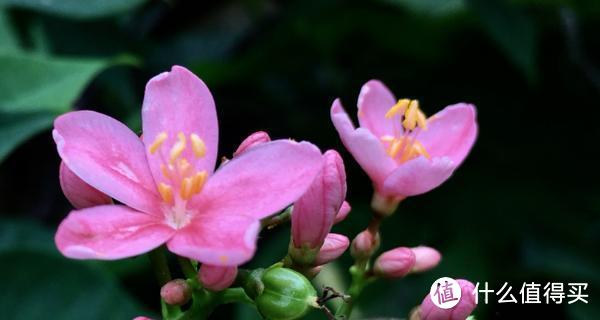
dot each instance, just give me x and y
(523, 207)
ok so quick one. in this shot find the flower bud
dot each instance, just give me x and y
(395, 263)
(333, 247)
(176, 292)
(287, 295)
(141, 318)
(426, 258)
(251, 141)
(79, 193)
(315, 211)
(343, 212)
(466, 305)
(364, 245)
(216, 278)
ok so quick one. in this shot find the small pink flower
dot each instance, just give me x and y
(466, 305)
(216, 278)
(343, 212)
(426, 258)
(165, 180)
(364, 245)
(314, 213)
(176, 292)
(403, 152)
(80, 194)
(251, 141)
(395, 263)
(333, 247)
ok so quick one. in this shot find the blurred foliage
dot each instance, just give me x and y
(524, 206)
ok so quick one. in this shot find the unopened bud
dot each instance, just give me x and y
(287, 295)
(251, 141)
(395, 263)
(343, 212)
(78, 192)
(141, 318)
(216, 278)
(333, 247)
(364, 245)
(466, 305)
(176, 292)
(426, 258)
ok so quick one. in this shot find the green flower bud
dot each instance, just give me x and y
(286, 295)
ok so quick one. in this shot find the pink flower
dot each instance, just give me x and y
(426, 258)
(466, 305)
(343, 212)
(395, 263)
(333, 247)
(216, 278)
(165, 180)
(314, 213)
(404, 153)
(80, 194)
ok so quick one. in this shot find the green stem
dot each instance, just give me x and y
(158, 259)
(276, 220)
(232, 295)
(187, 268)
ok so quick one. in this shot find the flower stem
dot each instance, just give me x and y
(158, 259)
(187, 268)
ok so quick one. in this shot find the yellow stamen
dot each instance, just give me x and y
(420, 150)
(398, 108)
(183, 167)
(166, 192)
(410, 116)
(198, 181)
(158, 141)
(395, 147)
(421, 120)
(177, 148)
(165, 171)
(198, 145)
(387, 138)
(186, 188)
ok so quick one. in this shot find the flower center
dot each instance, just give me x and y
(180, 181)
(408, 120)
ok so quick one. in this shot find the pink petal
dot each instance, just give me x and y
(374, 100)
(451, 132)
(418, 176)
(109, 232)
(252, 140)
(104, 153)
(261, 181)
(80, 194)
(218, 240)
(367, 150)
(175, 102)
(343, 212)
(333, 247)
(216, 278)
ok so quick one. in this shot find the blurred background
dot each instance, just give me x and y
(523, 207)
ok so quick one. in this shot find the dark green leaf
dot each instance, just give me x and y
(75, 8)
(8, 40)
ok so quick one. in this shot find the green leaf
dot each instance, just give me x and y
(76, 9)
(511, 29)
(24, 235)
(8, 41)
(34, 83)
(15, 128)
(431, 7)
(38, 286)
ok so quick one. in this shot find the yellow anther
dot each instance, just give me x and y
(165, 171)
(186, 188)
(177, 148)
(166, 192)
(387, 138)
(158, 141)
(183, 167)
(198, 145)
(398, 108)
(198, 181)
(395, 147)
(420, 150)
(410, 116)
(421, 120)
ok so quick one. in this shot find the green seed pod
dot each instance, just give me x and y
(287, 294)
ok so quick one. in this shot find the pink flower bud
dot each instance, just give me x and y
(216, 278)
(80, 194)
(141, 318)
(466, 305)
(333, 247)
(251, 141)
(395, 263)
(176, 292)
(315, 211)
(364, 245)
(343, 212)
(426, 258)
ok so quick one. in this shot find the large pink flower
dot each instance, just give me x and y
(403, 152)
(165, 180)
